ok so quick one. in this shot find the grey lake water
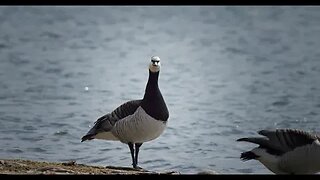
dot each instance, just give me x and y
(226, 73)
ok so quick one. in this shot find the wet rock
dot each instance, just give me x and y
(70, 163)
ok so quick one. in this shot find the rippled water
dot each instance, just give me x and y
(226, 73)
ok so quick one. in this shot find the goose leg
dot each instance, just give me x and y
(132, 154)
(137, 147)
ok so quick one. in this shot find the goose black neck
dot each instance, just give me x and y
(152, 87)
(153, 102)
(153, 80)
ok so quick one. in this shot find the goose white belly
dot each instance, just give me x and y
(302, 160)
(138, 127)
(270, 161)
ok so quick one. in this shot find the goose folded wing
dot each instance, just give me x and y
(284, 140)
(280, 141)
(106, 122)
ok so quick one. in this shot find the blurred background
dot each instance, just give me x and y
(226, 73)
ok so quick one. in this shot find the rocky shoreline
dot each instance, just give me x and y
(18, 166)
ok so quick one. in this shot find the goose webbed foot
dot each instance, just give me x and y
(137, 167)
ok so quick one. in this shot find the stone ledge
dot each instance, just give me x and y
(18, 166)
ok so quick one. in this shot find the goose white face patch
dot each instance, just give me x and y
(155, 64)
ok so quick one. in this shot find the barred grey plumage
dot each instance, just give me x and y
(106, 122)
